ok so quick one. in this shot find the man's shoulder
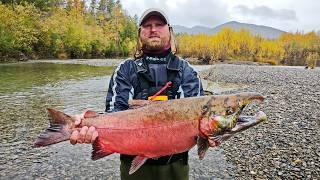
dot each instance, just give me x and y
(183, 62)
(126, 62)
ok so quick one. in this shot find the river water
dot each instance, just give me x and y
(27, 89)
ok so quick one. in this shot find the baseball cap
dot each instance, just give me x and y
(153, 12)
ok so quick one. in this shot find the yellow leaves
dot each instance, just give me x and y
(312, 59)
(298, 47)
(76, 8)
(241, 45)
(78, 37)
(22, 24)
(270, 51)
(66, 31)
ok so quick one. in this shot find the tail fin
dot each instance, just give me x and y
(58, 131)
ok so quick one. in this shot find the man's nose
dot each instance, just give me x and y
(153, 28)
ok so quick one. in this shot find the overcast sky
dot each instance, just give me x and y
(287, 15)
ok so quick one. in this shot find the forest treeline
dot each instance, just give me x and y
(32, 29)
(288, 49)
(65, 29)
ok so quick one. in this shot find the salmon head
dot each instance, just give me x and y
(221, 118)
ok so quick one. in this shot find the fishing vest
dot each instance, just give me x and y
(147, 85)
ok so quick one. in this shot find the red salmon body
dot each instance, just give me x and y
(155, 129)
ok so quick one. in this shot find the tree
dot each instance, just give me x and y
(44, 5)
(93, 7)
(102, 9)
(110, 6)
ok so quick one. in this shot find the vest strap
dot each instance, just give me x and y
(146, 82)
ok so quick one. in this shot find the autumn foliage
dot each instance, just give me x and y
(101, 28)
(288, 49)
(65, 29)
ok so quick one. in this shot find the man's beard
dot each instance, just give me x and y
(154, 45)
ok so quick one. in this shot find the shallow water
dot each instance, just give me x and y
(26, 90)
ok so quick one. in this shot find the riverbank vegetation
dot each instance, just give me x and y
(65, 29)
(288, 49)
(33, 29)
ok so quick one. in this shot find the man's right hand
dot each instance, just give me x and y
(85, 135)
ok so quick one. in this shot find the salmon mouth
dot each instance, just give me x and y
(242, 123)
(232, 118)
(235, 123)
(244, 103)
(245, 122)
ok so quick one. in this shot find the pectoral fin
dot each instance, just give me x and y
(203, 146)
(137, 162)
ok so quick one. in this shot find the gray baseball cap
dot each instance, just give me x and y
(153, 12)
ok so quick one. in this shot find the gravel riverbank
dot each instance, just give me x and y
(287, 146)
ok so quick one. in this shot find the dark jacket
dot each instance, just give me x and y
(125, 82)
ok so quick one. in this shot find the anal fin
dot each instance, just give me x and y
(137, 162)
(99, 151)
(203, 146)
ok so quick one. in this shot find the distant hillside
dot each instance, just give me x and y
(264, 31)
(193, 30)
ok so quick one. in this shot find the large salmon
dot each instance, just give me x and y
(155, 129)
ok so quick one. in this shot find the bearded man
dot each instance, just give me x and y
(154, 65)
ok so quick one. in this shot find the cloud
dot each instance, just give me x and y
(288, 15)
(185, 12)
(204, 12)
(264, 12)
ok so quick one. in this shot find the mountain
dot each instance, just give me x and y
(193, 30)
(264, 31)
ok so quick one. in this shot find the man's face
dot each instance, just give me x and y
(154, 34)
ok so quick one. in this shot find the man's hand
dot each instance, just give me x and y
(85, 135)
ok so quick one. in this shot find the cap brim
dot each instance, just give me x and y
(152, 12)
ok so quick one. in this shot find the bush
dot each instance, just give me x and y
(19, 29)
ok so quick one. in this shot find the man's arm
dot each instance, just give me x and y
(191, 84)
(120, 89)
